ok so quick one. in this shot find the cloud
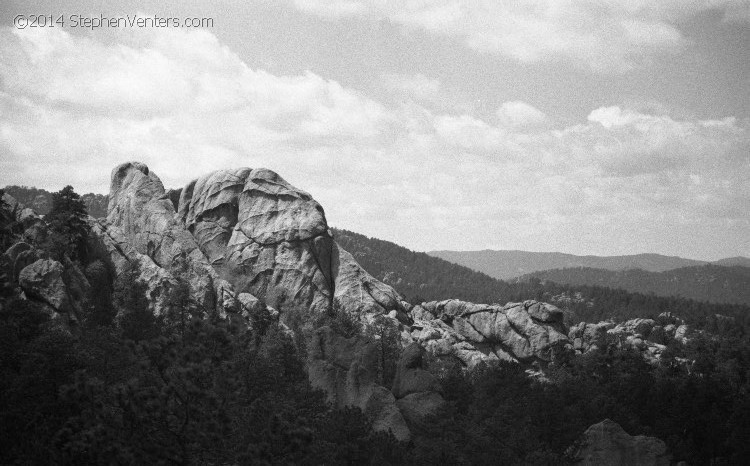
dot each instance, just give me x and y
(71, 107)
(416, 86)
(608, 37)
(519, 115)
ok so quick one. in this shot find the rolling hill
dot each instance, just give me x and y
(505, 265)
(711, 283)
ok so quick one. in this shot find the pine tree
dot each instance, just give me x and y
(68, 226)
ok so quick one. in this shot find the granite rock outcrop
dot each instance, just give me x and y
(472, 333)
(650, 336)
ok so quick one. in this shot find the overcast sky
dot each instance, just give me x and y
(582, 126)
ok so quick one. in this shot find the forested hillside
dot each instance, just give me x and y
(713, 283)
(505, 265)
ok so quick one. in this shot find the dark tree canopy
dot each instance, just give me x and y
(68, 228)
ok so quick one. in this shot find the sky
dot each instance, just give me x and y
(582, 126)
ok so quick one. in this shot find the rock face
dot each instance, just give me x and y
(109, 244)
(472, 333)
(646, 335)
(271, 239)
(346, 369)
(141, 213)
(607, 444)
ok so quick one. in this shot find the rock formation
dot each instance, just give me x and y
(43, 280)
(142, 215)
(243, 231)
(607, 444)
(472, 333)
(271, 239)
(646, 335)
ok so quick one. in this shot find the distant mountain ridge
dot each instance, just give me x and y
(711, 283)
(732, 261)
(508, 264)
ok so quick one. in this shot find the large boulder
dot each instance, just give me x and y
(607, 444)
(43, 280)
(62, 288)
(526, 332)
(347, 370)
(19, 256)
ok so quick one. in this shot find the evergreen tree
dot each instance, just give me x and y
(68, 226)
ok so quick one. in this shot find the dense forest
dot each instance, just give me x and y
(127, 387)
(713, 283)
(41, 200)
(421, 277)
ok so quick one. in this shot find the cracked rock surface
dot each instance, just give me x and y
(141, 214)
(270, 239)
(472, 333)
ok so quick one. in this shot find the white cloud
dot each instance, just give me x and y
(72, 107)
(609, 37)
(517, 114)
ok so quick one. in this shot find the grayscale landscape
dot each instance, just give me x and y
(375, 232)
